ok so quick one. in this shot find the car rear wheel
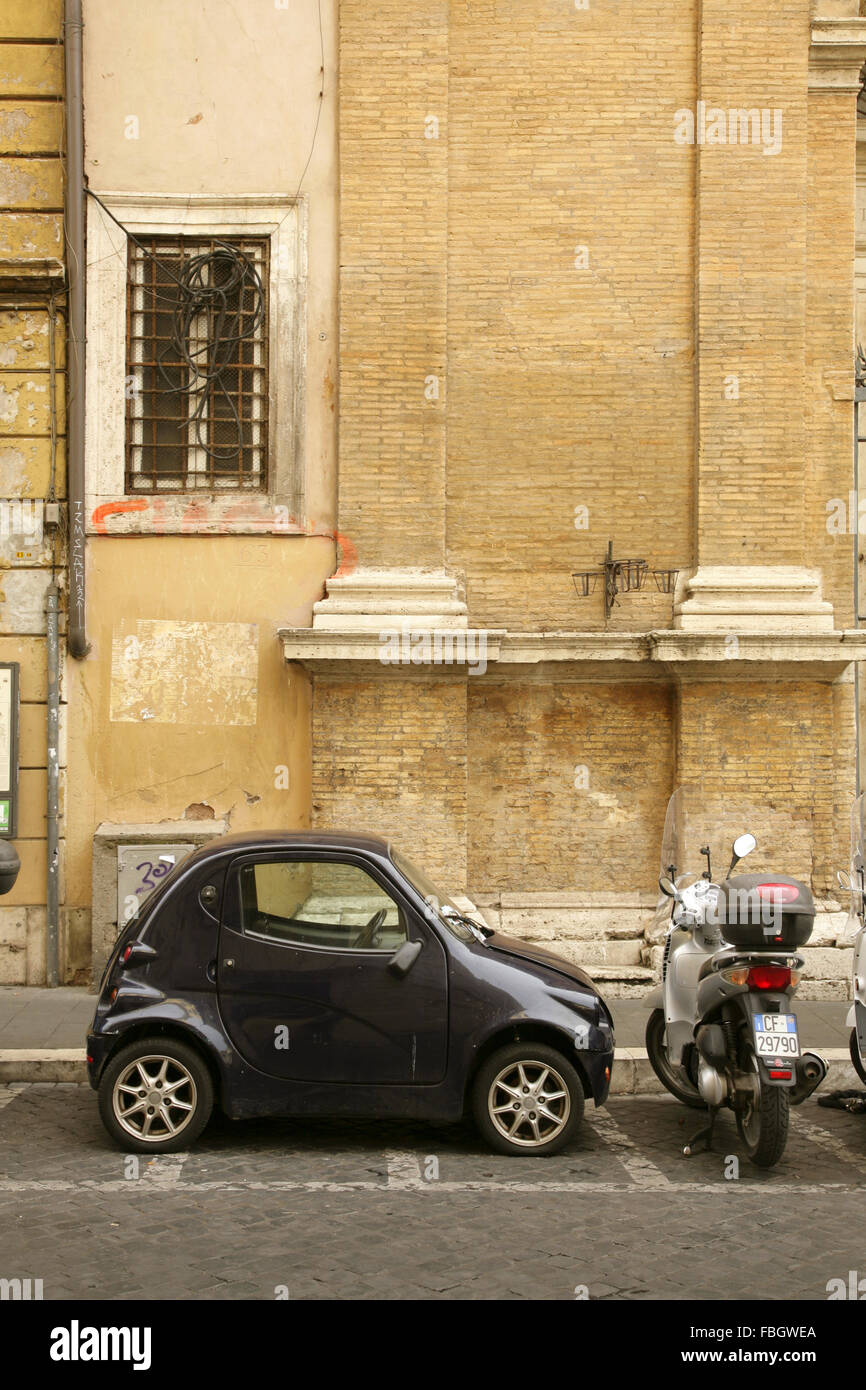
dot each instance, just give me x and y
(527, 1099)
(155, 1096)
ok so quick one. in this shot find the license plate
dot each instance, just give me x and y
(776, 1035)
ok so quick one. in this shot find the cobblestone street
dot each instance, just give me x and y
(371, 1211)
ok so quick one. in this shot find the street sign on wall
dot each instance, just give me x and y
(8, 749)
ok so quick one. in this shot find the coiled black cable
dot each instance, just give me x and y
(213, 287)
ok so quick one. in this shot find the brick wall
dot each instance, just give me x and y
(567, 785)
(389, 757)
(769, 751)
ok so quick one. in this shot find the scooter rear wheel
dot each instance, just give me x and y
(674, 1079)
(763, 1126)
(856, 1059)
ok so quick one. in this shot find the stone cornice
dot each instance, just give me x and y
(836, 54)
(825, 655)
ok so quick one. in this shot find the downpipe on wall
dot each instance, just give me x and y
(52, 891)
(76, 271)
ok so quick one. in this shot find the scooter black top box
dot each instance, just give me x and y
(765, 912)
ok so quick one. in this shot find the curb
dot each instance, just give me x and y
(632, 1073)
(43, 1064)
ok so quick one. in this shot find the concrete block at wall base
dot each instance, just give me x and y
(78, 947)
(822, 990)
(13, 945)
(36, 971)
(825, 963)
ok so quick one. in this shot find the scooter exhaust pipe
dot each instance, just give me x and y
(810, 1070)
(710, 1039)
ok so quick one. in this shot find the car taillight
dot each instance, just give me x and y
(770, 977)
(778, 892)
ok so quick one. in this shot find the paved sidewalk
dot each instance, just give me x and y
(59, 1018)
(31, 1017)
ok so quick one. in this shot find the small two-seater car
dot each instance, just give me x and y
(306, 973)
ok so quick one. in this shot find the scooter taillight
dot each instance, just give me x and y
(779, 892)
(770, 977)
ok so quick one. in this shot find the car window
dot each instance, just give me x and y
(319, 903)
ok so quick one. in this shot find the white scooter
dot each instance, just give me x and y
(722, 1031)
(855, 882)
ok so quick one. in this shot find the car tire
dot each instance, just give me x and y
(181, 1091)
(527, 1072)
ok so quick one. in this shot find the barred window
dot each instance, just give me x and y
(197, 364)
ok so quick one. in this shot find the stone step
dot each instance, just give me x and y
(620, 981)
(603, 953)
(606, 970)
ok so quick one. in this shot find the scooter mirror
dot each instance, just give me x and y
(843, 878)
(743, 845)
(668, 887)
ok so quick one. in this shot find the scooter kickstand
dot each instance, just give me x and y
(703, 1140)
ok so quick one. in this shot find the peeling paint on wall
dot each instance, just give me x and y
(184, 673)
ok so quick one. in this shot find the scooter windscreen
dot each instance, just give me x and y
(857, 868)
(705, 817)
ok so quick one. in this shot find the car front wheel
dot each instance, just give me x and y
(527, 1099)
(155, 1096)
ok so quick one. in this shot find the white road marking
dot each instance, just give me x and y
(164, 1170)
(759, 1188)
(9, 1092)
(644, 1173)
(404, 1170)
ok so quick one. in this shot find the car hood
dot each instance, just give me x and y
(524, 950)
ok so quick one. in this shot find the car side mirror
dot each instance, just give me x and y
(403, 959)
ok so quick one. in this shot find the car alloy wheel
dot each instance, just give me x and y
(528, 1103)
(154, 1098)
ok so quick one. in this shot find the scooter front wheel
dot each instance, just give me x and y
(674, 1079)
(856, 1059)
(763, 1124)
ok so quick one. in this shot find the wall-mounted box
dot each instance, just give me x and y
(128, 863)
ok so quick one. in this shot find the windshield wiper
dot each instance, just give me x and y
(480, 932)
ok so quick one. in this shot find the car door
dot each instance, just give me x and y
(305, 976)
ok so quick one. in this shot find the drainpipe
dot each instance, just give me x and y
(74, 226)
(859, 398)
(52, 897)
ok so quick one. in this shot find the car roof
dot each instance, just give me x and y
(254, 840)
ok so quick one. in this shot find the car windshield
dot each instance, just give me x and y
(434, 897)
